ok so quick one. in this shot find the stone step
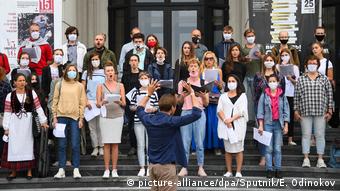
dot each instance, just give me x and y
(189, 183)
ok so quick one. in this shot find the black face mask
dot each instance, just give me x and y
(35, 85)
(319, 37)
(195, 39)
(284, 41)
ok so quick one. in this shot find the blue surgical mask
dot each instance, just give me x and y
(72, 74)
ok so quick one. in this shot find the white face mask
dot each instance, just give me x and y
(72, 37)
(24, 62)
(273, 85)
(285, 59)
(160, 60)
(227, 36)
(232, 85)
(251, 40)
(35, 35)
(58, 59)
(95, 63)
(144, 83)
(269, 64)
(312, 67)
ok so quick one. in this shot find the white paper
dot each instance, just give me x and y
(265, 138)
(210, 75)
(166, 84)
(89, 114)
(233, 138)
(111, 97)
(252, 53)
(59, 130)
(103, 111)
(129, 95)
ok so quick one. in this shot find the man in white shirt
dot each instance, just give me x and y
(127, 47)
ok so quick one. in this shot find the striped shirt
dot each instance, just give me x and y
(138, 95)
(313, 97)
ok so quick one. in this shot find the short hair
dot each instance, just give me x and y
(2, 73)
(320, 27)
(247, 31)
(135, 55)
(166, 102)
(70, 29)
(162, 49)
(138, 35)
(66, 70)
(312, 57)
(58, 49)
(144, 74)
(194, 60)
(24, 53)
(274, 76)
(102, 34)
(228, 28)
(109, 63)
(134, 28)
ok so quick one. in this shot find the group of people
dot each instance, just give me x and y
(269, 89)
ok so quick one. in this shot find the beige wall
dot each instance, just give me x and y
(239, 18)
(89, 16)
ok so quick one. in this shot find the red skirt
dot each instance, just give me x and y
(12, 165)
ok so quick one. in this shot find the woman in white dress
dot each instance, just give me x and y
(18, 152)
(232, 111)
(111, 121)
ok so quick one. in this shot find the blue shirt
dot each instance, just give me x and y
(165, 141)
(98, 77)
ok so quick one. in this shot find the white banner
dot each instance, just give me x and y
(16, 17)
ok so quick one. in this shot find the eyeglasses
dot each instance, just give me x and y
(208, 58)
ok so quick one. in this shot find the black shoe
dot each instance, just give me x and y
(132, 151)
(269, 174)
(10, 178)
(29, 177)
(278, 174)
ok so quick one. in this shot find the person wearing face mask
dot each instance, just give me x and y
(273, 116)
(197, 128)
(66, 91)
(161, 69)
(43, 52)
(23, 68)
(92, 77)
(105, 53)
(232, 111)
(152, 43)
(52, 72)
(221, 49)
(163, 129)
(290, 82)
(111, 122)
(284, 38)
(140, 131)
(199, 48)
(260, 84)
(145, 56)
(127, 47)
(74, 50)
(313, 107)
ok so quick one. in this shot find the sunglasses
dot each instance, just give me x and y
(208, 58)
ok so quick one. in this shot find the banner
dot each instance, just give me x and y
(298, 17)
(16, 17)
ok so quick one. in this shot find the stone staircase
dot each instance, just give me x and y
(295, 177)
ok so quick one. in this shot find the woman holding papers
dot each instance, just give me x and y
(92, 77)
(111, 99)
(17, 122)
(260, 84)
(291, 74)
(197, 128)
(232, 111)
(235, 64)
(211, 72)
(69, 100)
(273, 117)
(140, 131)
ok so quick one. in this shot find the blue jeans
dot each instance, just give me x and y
(72, 130)
(274, 147)
(319, 124)
(196, 129)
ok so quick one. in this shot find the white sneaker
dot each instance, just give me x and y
(306, 163)
(183, 172)
(76, 173)
(147, 172)
(55, 164)
(141, 172)
(94, 152)
(292, 143)
(60, 174)
(114, 173)
(228, 174)
(101, 151)
(321, 164)
(238, 175)
(106, 174)
(201, 173)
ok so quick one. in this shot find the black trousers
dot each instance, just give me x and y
(291, 111)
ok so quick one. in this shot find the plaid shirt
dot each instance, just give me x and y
(313, 97)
